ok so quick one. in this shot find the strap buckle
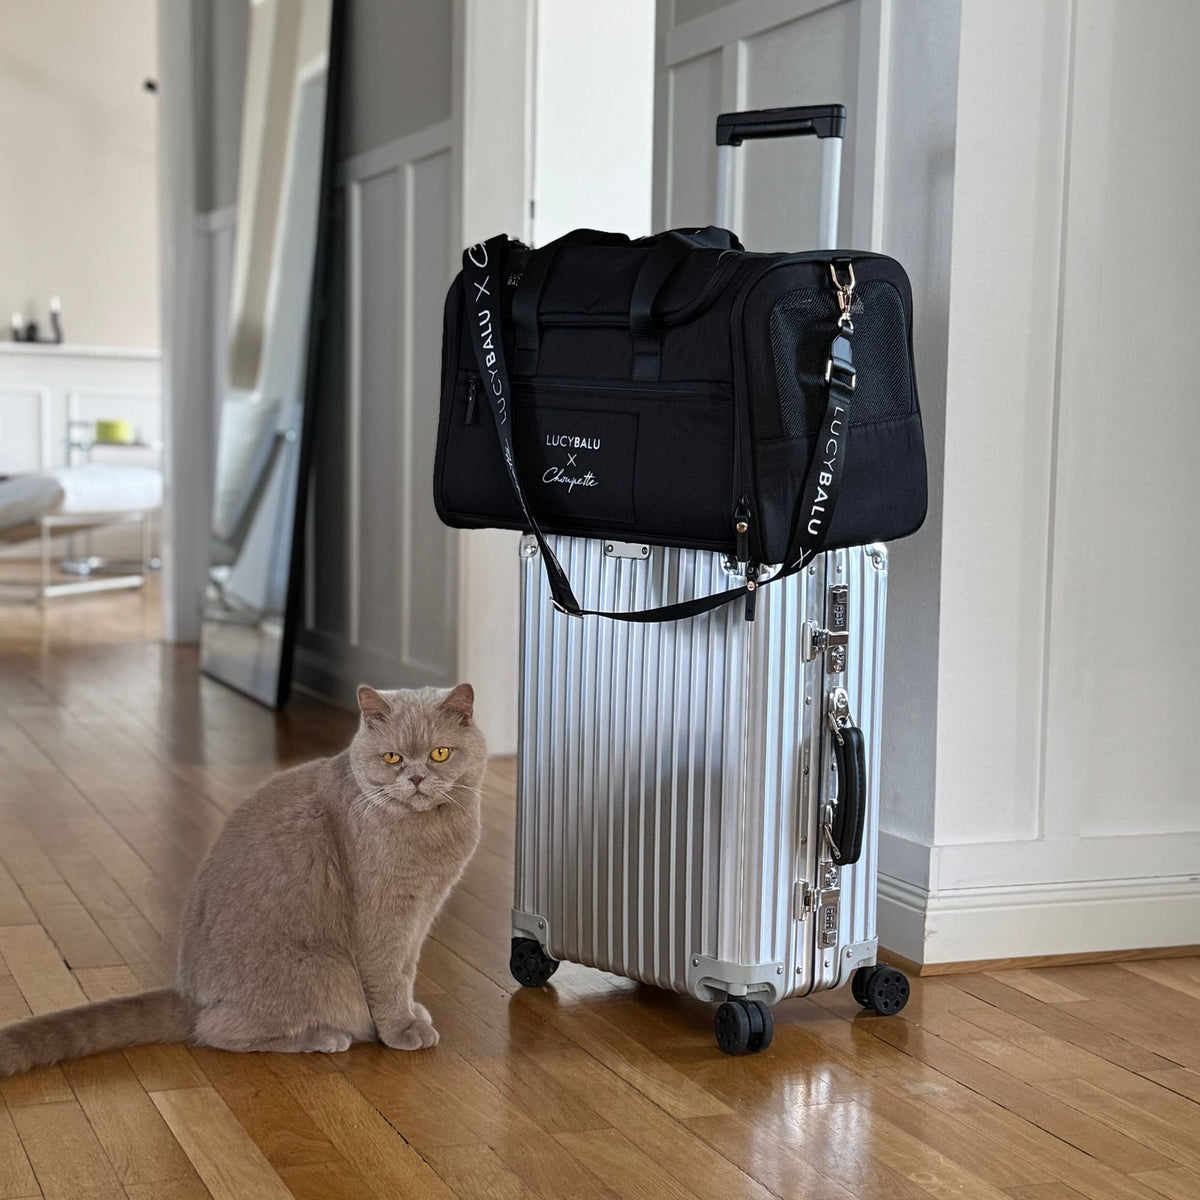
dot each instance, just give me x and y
(566, 612)
(847, 376)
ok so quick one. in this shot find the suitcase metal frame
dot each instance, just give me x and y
(671, 830)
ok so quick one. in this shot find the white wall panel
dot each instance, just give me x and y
(378, 478)
(25, 420)
(380, 587)
(813, 60)
(1122, 704)
(1000, 416)
(429, 625)
(694, 91)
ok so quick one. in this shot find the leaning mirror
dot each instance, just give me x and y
(280, 265)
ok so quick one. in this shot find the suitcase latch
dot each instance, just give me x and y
(832, 641)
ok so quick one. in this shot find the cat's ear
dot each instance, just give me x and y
(373, 706)
(460, 703)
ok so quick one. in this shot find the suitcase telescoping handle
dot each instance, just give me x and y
(826, 122)
(821, 120)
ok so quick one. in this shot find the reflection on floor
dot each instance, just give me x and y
(118, 763)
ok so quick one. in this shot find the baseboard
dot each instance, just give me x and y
(926, 970)
(321, 677)
(1035, 924)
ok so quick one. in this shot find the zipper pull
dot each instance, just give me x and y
(741, 530)
(472, 389)
(751, 590)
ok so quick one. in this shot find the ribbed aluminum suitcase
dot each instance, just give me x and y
(677, 782)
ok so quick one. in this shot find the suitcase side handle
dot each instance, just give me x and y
(820, 120)
(850, 812)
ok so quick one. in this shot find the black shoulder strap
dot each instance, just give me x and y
(483, 275)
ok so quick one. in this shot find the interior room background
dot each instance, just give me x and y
(79, 215)
(1041, 650)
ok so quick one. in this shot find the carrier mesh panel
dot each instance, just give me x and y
(802, 326)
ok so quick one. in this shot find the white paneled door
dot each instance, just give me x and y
(381, 594)
(765, 54)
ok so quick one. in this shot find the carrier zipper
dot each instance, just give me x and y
(472, 391)
(741, 531)
(741, 535)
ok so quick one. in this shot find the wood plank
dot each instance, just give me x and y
(103, 983)
(165, 1068)
(1181, 1080)
(46, 1085)
(1070, 1026)
(1159, 1120)
(626, 1170)
(65, 1155)
(379, 1153)
(129, 1128)
(258, 1095)
(17, 1179)
(1181, 975)
(476, 1170)
(327, 1181)
(14, 908)
(1177, 1184)
(38, 968)
(231, 1166)
(1039, 986)
(80, 941)
(171, 1189)
(1046, 1191)
(1107, 1145)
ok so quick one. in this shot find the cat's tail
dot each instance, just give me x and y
(155, 1016)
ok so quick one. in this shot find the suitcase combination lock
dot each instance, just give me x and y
(831, 642)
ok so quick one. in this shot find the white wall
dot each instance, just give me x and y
(548, 145)
(78, 203)
(593, 117)
(1005, 155)
(1066, 816)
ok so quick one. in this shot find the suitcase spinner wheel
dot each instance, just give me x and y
(530, 965)
(743, 1026)
(883, 989)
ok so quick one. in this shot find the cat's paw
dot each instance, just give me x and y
(330, 1042)
(418, 1034)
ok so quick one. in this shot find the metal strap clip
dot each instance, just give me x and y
(845, 296)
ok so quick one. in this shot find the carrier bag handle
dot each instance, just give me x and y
(483, 275)
(527, 298)
(672, 248)
(667, 251)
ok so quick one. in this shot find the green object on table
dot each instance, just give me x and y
(120, 433)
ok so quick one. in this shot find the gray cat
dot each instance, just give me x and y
(303, 927)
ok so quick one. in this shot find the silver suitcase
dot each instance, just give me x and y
(678, 782)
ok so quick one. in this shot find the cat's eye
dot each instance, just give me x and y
(391, 758)
(440, 753)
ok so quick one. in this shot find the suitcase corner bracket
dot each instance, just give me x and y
(712, 979)
(531, 925)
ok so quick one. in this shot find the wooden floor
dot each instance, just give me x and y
(118, 764)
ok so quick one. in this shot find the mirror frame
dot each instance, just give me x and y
(316, 346)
